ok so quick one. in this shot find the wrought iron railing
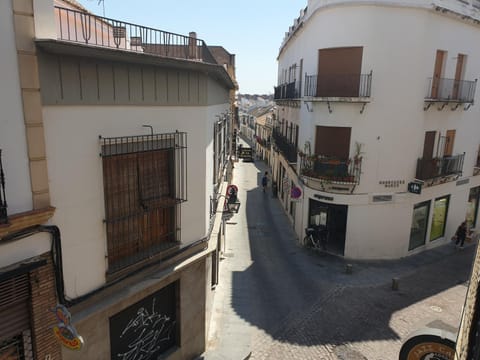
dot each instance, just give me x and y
(85, 28)
(263, 142)
(451, 90)
(332, 169)
(440, 167)
(287, 91)
(288, 149)
(346, 85)
(3, 199)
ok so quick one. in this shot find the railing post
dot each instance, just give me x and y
(3, 199)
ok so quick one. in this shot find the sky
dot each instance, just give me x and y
(252, 30)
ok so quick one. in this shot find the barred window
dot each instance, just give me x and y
(144, 183)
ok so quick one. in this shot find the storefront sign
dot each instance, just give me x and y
(322, 197)
(65, 331)
(426, 344)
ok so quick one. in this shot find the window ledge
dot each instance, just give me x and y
(24, 220)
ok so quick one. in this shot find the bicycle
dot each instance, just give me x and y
(316, 238)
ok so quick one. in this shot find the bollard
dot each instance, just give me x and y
(348, 268)
(395, 284)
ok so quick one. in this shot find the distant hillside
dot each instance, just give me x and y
(256, 96)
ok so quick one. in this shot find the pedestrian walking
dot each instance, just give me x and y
(265, 181)
(461, 234)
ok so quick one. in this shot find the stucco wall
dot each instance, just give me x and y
(76, 178)
(12, 128)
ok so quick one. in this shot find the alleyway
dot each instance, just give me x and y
(277, 300)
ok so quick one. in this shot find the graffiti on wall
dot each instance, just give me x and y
(147, 328)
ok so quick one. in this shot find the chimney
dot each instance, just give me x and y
(192, 45)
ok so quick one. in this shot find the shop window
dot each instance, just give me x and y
(418, 230)
(472, 207)
(439, 218)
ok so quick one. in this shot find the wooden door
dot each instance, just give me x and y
(449, 141)
(429, 144)
(458, 76)
(437, 73)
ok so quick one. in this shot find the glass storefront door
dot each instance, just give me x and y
(418, 230)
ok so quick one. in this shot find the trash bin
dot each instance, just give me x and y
(274, 189)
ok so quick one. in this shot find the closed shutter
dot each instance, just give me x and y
(14, 306)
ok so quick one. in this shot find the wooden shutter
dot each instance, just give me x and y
(333, 141)
(14, 306)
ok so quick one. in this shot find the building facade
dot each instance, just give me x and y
(115, 140)
(379, 128)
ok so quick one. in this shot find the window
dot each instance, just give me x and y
(418, 230)
(439, 217)
(472, 207)
(144, 184)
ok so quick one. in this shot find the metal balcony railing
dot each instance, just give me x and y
(288, 149)
(85, 28)
(439, 167)
(287, 91)
(346, 85)
(3, 199)
(451, 90)
(332, 169)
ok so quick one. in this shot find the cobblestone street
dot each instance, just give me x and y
(278, 300)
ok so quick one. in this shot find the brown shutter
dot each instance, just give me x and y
(333, 141)
(14, 306)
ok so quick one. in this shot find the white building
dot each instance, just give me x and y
(375, 96)
(114, 150)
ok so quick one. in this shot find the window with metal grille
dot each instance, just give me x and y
(144, 183)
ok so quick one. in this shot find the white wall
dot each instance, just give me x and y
(399, 46)
(12, 128)
(76, 177)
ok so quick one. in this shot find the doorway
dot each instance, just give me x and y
(334, 217)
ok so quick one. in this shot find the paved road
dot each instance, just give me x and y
(277, 300)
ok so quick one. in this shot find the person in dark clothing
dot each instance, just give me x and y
(461, 234)
(265, 181)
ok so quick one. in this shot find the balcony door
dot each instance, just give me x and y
(437, 72)
(429, 144)
(339, 72)
(458, 76)
(449, 142)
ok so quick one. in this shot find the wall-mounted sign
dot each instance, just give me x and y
(414, 188)
(64, 330)
(295, 192)
(322, 197)
(429, 343)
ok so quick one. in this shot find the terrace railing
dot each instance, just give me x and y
(451, 90)
(287, 91)
(332, 169)
(288, 149)
(341, 85)
(439, 167)
(86, 28)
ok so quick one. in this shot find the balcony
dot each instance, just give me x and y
(84, 28)
(450, 91)
(330, 169)
(338, 86)
(288, 149)
(430, 169)
(3, 199)
(286, 91)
